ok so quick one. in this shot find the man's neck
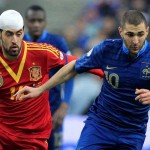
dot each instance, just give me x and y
(132, 56)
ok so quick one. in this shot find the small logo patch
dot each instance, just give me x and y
(35, 73)
(109, 68)
(90, 52)
(61, 55)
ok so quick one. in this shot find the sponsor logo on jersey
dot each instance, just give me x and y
(109, 68)
(35, 73)
(1, 81)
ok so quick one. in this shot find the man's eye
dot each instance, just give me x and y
(9, 34)
(130, 35)
(140, 35)
(19, 34)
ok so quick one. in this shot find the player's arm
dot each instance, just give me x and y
(97, 72)
(64, 74)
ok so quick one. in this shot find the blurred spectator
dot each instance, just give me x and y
(100, 17)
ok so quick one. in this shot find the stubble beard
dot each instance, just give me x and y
(10, 52)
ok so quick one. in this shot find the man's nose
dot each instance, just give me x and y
(14, 39)
(135, 40)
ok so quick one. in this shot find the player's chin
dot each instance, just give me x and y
(15, 53)
(135, 51)
(37, 33)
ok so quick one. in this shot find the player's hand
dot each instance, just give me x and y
(59, 115)
(27, 92)
(143, 96)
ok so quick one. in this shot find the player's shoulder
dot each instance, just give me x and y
(109, 45)
(54, 36)
(34, 46)
(112, 43)
(57, 41)
(41, 49)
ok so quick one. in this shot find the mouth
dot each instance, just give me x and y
(14, 48)
(135, 48)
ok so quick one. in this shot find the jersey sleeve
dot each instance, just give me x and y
(55, 58)
(91, 60)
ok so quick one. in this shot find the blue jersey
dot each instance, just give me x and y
(116, 103)
(55, 93)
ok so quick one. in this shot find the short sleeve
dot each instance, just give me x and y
(55, 58)
(91, 60)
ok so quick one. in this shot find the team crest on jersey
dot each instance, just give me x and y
(1, 81)
(145, 71)
(35, 73)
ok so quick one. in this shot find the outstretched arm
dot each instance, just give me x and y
(64, 74)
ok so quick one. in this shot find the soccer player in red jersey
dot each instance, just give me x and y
(24, 124)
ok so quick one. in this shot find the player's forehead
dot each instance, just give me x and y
(135, 28)
(13, 31)
(35, 14)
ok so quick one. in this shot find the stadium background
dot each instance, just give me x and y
(83, 23)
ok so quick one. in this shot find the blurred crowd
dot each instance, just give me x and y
(99, 20)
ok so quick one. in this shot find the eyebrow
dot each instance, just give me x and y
(11, 32)
(133, 32)
(14, 32)
(19, 30)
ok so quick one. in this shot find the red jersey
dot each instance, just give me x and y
(29, 118)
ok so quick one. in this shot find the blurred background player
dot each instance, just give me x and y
(35, 18)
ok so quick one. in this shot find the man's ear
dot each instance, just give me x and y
(120, 31)
(147, 30)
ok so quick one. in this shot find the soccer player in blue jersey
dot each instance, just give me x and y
(36, 22)
(117, 119)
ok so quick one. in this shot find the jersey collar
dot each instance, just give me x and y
(43, 36)
(125, 50)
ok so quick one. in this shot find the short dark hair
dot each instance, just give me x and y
(35, 8)
(133, 17)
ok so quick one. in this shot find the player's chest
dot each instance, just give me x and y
(21, 73)
(135, 74)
